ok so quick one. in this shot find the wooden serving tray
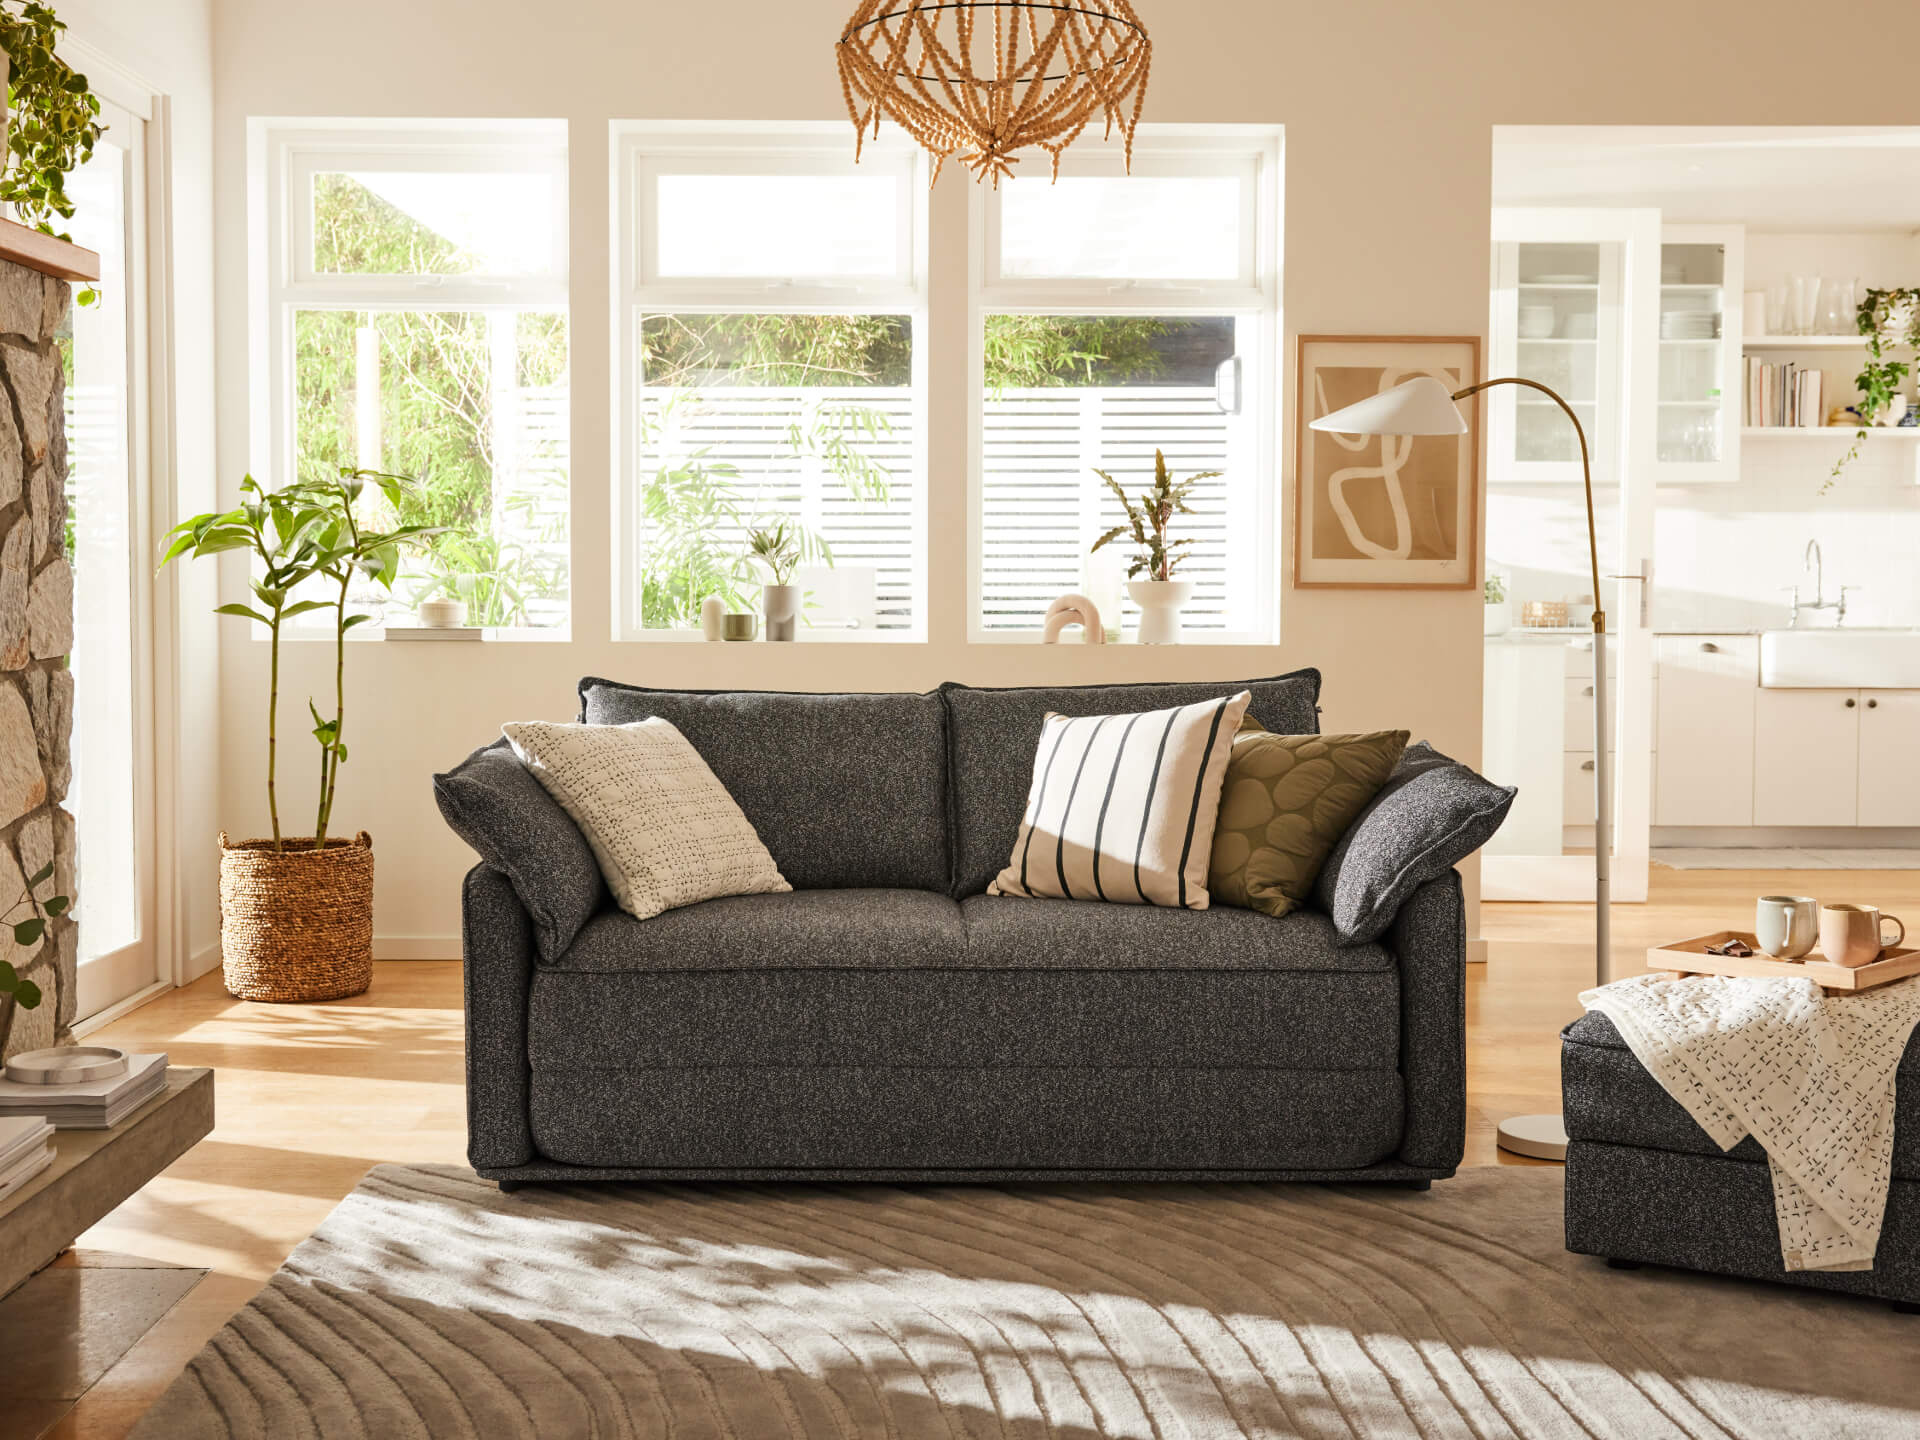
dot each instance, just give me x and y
(1690, 957)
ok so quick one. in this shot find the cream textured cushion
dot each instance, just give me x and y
(1122, 807)
(662, 826)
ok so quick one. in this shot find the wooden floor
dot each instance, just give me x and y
(310, 1096)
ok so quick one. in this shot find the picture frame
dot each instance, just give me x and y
(1383, 511)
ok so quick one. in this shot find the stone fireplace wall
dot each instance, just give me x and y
(36, 634)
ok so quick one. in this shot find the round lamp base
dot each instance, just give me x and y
(1543, 1137)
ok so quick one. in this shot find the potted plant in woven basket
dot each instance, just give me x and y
(296, 912)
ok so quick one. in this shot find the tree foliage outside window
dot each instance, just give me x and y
(443, 381)
(696, 507)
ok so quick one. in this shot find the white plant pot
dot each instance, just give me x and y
(442, 614)
(713, 613)
(1160, 603)
(780, 604)
(1499, 618)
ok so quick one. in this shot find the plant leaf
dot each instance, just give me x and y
(243, 610)
(42, 875)
(28, 931)
(27, 995)
(57, 905)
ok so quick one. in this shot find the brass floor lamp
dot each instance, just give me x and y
(1424, 406)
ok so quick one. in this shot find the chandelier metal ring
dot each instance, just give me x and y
(1134, 25)
(986, 79)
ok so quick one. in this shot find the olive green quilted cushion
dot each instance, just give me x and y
(1285, 803)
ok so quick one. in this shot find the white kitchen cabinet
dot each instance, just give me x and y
(1704, 719)
(1889, 757)
(1806, 757)
(1697, 429)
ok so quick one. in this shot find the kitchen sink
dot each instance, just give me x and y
(1840, 659)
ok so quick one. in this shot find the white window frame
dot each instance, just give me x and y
(283, 157)
(641, 152)
(1254, 155)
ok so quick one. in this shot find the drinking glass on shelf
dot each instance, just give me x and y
(1806, 303)
(1837, 312)
(1778, 312)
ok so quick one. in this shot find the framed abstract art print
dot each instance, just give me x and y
(1384, 510)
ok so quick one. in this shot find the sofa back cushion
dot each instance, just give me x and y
(993, 735)
(844, 790)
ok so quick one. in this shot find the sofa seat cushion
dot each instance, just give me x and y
(993, 735)
(1609, 1096)
(1008, 932)
(845, 790)
(806, 929)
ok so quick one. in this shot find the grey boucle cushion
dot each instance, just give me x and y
(494, 803)
(807, 929)
(1018, 933)
(993, 735)
(844, 790)
(1432, 813)
(971, 1019)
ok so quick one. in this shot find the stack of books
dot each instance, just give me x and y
(1781, 395)
(91, 1104)
(26, 1148)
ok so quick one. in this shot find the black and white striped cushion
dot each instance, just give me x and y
(1122, 807)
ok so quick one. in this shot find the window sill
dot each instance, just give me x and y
(839, 639)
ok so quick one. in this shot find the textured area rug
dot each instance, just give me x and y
(429, 1304)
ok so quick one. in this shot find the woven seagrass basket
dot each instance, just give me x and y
(297, 924)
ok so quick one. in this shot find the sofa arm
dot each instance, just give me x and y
(1429, 938)
(497, 942)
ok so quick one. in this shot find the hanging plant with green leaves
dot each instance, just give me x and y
(1887, 319)
(53, 119)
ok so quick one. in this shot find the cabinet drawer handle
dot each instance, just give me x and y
(1588, 691)
(1707, 647)
(1873, 704)
(1851, 704)
(1586, 764)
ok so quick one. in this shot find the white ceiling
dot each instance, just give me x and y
(1768, 178)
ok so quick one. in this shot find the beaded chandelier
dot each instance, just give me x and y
(1034, 77)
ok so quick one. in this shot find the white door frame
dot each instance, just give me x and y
(1634, 444)
(151, 507)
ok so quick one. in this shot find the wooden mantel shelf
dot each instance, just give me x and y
(44, 253)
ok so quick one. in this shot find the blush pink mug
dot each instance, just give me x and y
(1854, 935)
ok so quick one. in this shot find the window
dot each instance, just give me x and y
(1118, 314)
(773, 375)
(415, 321)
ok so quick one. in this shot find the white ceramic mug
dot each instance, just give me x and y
(1786, 926)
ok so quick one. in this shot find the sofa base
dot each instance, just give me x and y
(1704, 1212)
(512, 1177)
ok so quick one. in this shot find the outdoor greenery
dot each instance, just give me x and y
(695, 506)
(1885, 318)
(1147, 522)
(310, 540)
(16, 993)
(53, 120)
(438, 387)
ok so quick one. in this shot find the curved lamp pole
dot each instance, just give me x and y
(1424, 406)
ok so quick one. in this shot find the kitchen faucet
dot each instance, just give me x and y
(1813, 560)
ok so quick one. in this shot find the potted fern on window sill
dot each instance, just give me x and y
(296, 913)
(1161, 598)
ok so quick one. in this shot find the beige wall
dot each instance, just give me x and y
(1388, 110)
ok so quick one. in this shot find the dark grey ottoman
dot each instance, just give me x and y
(1646, 1185)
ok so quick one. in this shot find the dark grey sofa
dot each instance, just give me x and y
(1646, 1185)
(890, 1020)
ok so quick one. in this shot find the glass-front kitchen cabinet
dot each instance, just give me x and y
(1697, 424)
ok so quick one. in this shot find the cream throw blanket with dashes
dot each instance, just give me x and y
(1808, 1075)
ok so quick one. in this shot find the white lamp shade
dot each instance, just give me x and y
(1421, 406)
